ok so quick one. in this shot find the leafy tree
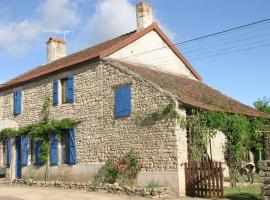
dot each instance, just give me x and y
(263, 104)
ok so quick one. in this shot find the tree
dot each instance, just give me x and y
(263, 104)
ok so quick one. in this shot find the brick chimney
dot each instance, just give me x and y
(144, 14)
(56, 48)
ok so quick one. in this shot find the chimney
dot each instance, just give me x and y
(144, 14)
(56, 48)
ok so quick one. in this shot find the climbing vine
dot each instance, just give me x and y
(41, 130)
(243, 133)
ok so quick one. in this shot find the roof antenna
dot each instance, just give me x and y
(63, 32)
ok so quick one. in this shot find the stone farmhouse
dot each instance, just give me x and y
(107, 87)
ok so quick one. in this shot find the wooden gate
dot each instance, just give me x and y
(204, 179)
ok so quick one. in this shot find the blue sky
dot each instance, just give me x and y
(242, 75)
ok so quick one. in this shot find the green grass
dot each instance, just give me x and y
(153, 185)
(251, 192)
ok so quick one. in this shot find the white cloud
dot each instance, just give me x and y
(60, 13)
(111, 18)
(16, 37)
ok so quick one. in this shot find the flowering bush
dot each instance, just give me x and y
(121, 169)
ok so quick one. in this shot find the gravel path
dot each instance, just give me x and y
(8, 192)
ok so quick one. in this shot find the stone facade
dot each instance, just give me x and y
(264, 167)
(161, 146)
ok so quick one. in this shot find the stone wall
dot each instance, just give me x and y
(218, 147)
(100, 134)
(264, 167)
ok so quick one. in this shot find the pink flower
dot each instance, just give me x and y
(141, 164)
(122, 169)
(117, 165)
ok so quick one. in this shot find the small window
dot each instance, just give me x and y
(67, 91)
(65, 146)
(123, 101)
(64, 90)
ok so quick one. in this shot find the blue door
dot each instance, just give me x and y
(18, 158)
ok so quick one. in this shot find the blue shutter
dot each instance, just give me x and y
(123, 101)
(17, 102)
(72, 147)
(38, 152)
(55, 92)
(54, 149)
(70, 89)
(9, 151)
(25, 141)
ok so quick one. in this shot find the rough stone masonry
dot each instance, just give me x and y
(264, 167)
(162, 146)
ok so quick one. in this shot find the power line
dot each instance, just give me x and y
(196, 39)
(225, 43)
(204, 37)
(228, 52)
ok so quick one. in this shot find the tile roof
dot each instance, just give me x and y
(193, 93)
(95, 52)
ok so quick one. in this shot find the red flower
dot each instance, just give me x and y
(117, 165)
(141, 164)
(122, 169)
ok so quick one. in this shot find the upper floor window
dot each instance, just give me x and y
(66, 91)
(123, 101)
(17, 102)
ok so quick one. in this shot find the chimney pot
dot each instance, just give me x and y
(144, 13)
(56, 48)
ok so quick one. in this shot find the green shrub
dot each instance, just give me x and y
(153, 184)
(123, 169)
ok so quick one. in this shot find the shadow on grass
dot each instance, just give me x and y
(242, 196)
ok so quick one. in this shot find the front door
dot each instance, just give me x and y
(18, 158)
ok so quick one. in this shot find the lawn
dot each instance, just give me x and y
(251, 192)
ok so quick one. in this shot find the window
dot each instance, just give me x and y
(7, 148)
(65, 147)
(17, 102)
(68, 146)
(123, 101)
(5, 152)
(33, 151)
(38, 147)
(66, 91)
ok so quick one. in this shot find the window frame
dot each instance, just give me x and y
(65, 147)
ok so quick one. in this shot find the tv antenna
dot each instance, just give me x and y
(63, 32)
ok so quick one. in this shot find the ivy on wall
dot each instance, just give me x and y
(41, 130)
(243, 133)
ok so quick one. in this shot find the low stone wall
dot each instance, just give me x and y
(264, 167)
(159, 192)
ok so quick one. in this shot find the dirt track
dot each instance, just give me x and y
(35, 193)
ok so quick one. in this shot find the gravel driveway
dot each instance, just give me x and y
(8, 192)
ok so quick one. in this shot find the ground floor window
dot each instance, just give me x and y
(68, 146)
(5, 152)
(65, 146)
